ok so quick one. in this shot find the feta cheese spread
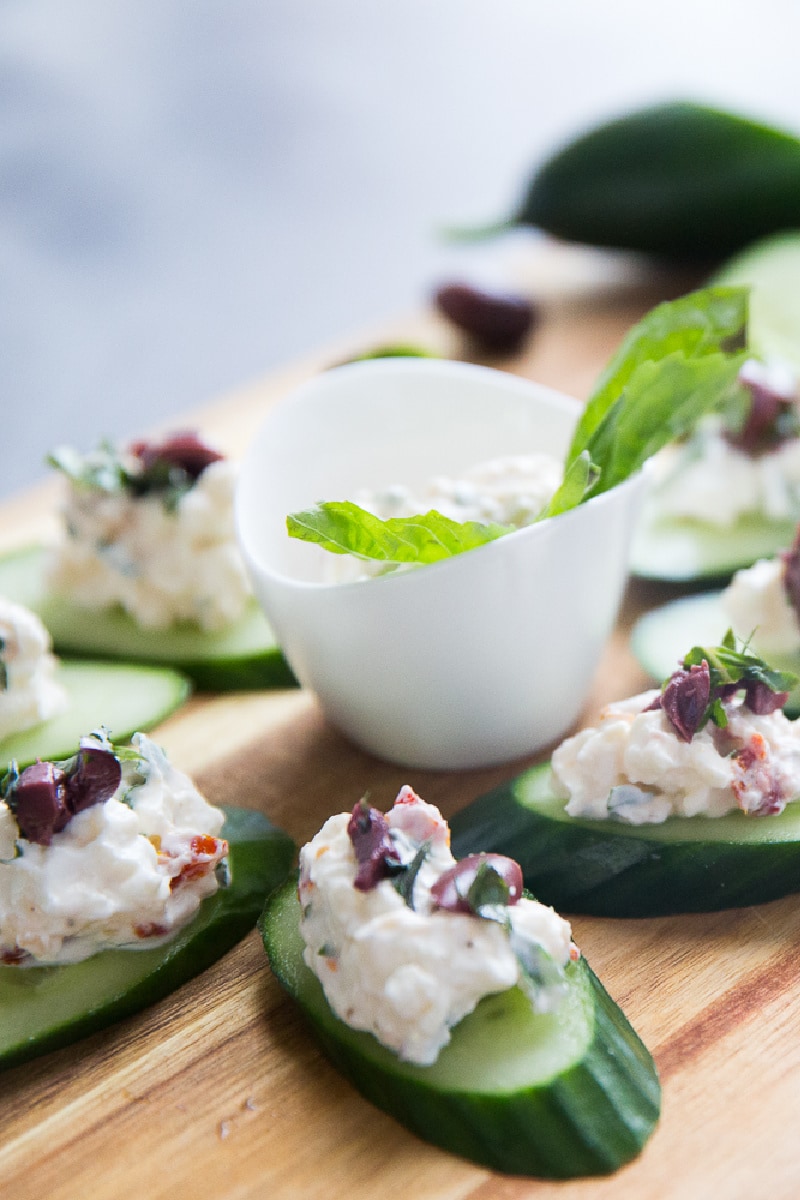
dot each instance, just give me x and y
(710, 479)
(634, 768)
(511, 490)
(757, 606)
(29, 690)
(405, 969)
(128, 872)
(164, 554)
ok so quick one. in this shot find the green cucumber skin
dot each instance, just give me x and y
(261, 857)
(688, 552)
(86, 633)
(605, 869)
(590, 1120)
(677, 180)
(99, 694)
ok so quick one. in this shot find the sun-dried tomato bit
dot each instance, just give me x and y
(150, 929)
(204, 852)
(12, 956)
(754, 776)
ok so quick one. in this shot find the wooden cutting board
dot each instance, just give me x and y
(218, 1091)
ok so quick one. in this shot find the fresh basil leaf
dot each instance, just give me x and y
(728, 666)
(344, 528)
(580, 477)
(487, 892)
(403, 882)
(703, 323)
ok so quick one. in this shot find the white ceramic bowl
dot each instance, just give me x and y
(480, 658)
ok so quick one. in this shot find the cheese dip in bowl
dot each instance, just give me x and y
(476, 659)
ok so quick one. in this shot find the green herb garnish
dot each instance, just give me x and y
(403, 881)
(344, 528)
(106, 470)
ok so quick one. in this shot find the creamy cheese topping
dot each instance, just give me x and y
(162, 562)
(511, 490)
(29, 691)
(128, 872)
(632, 765)
(757, 607)
(709, 480)
(408, 974)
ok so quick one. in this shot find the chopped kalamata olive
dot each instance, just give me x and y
(771, 418)
(40, 802)
(451, 890)
(685, 700)
(185, 450)
(94, 779)
(791, 574)
(496, 322)
(374, 849)
(761, 699)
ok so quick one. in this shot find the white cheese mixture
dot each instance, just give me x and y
(756, 605)
(162, 563)
(407, 975)
(511, 490)
(129, 872)
(633, 766)
(29, 691)
(707, 479)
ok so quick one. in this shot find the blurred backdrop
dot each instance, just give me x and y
(193, 193)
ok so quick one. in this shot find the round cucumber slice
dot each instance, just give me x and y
(612, 869)
(771, 268)
(686, 551)
(661, 637)
(245, 655)
(568, 1094)
(42, 1008)
(125, 698)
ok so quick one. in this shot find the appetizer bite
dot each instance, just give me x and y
(761, 604)
(148, 568)
(118, 881)
(680, 799)
(46, 703)
(729, 493)
(455, 1002)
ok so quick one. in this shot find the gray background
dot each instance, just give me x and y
(193, 193)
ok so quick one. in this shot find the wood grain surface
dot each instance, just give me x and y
(218, 1091)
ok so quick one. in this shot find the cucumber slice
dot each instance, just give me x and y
(244, 656)
(611, 869)
(572, 1093)
(770, 268)
(661, 637)
(686, 551)
(42, 1008)
(123, 697)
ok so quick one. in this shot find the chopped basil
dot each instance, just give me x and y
(404, 879)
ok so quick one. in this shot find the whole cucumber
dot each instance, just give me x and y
(678, 180)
